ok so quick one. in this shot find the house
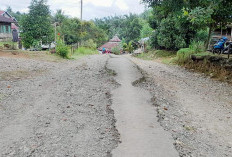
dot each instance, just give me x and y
(5, 28)
(7, 15)
(8, 24)
(114, 42)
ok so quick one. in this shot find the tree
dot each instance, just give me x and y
(36, 25)
(201, 14)
(127, 27)
(146, 31)
(70, 29)
(59, 17)
(91, 31)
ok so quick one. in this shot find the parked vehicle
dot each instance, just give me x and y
(219, 47)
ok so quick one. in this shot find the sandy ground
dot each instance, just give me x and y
(194, 108)
(56, 109)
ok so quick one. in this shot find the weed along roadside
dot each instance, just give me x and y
(215, 66)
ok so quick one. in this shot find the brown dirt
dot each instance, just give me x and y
(35, 55)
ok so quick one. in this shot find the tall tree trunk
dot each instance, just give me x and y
(221, 30)
(209, 36)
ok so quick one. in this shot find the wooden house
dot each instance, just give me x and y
(5, 28)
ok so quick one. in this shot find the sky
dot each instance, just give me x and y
(91, 8)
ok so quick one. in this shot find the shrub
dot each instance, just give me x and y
(89, 44)
(197, 46)
(201, 35)
(153, 42)
(62, 49)
(183, 55)
(85, 51)
(116, 50)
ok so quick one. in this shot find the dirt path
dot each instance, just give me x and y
(195, 109)
(140, 132)
(65, 109)
(56, 109)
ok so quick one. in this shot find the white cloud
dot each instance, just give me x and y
(101, 3)
(122, 5)
(92, 8)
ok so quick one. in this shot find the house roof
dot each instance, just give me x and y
(115, 39)
(6, 20)
(109, 46)
(114, 42)
(2, 12)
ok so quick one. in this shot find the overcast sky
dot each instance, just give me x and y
(92, 8)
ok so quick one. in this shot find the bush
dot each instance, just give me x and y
(183, 55)
(153, 42)
(62, 49)
(197, 46)
(170, 36)
(201, 36)
(116, 50)
(85, 51)
(89, 44)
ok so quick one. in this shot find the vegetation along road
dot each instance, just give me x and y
(107, 105)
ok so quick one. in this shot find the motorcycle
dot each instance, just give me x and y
(219, 47)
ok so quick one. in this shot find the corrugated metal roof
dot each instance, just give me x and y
(6, 20)
(2, 12)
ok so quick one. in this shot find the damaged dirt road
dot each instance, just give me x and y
(56, 108)
(101, 106)
(195, 109)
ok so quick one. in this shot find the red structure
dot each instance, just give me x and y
(114, 42)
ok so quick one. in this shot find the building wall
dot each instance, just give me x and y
(5, 32)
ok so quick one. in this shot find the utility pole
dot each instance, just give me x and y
(81, 9)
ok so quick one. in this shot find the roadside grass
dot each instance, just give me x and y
(182, 58)
(6, 42)
(82, 51)
(215, 72)
(38, 55)
(163, 56)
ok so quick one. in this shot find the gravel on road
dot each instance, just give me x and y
(195, 109)
(56, 109)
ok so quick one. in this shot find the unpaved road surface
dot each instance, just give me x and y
(140, 131)
(195, 109)
(56, 109)
(80, 109)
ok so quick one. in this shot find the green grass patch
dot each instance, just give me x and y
(204, 54)
(183, 55)
(82, 51)
(166, 57)
(164, 54)
(6, 42)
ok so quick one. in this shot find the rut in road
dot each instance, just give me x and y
(137, 123)
(64, 111)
